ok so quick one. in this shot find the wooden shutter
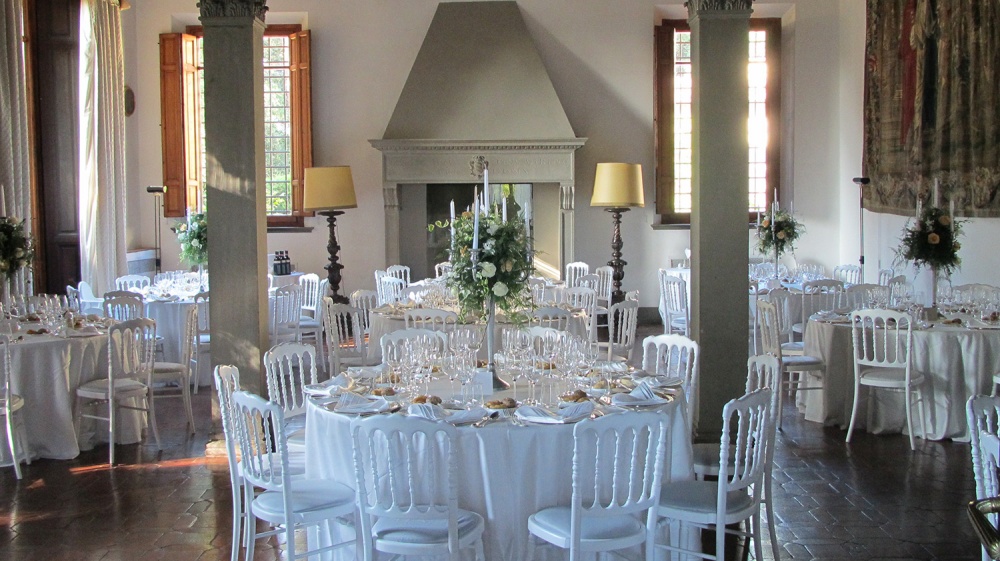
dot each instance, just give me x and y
(179, 124)
(301, 83)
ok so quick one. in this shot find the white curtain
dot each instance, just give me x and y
(102, 145)
(15, 187)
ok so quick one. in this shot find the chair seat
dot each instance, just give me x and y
(552, 525)
(312, 499)
(889, 377)
(797, 347)
(16, 402)
(123, 388)
(797, 363)
(705, 458)
(428, 532)
(168, 368)
(698, 500)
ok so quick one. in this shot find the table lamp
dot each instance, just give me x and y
(618, 187)
(328, 190)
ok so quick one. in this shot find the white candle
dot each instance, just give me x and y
(475, 225)
(920, 204)
(504, 208)
(486, 189)
(951, 213)
(937, 200)
(758, 218)
(3, 201)
(453, 218)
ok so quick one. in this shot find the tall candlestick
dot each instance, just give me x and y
(475, 225)
(920, 204)
(504, 205)
(937, 200)
(3, 201)
(951, 213)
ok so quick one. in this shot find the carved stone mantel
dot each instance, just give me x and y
(447, 161)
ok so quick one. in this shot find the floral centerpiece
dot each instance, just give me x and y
(192, 235)
(932, 241)
(777, 234)
(16, 248)
(498, 271)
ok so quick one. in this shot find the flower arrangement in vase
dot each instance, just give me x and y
(932, 242)
(490, 261)
(192, 235)
(777, 233)
(16, 247)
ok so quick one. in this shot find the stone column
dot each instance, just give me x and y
(234, 147)
(719, 217)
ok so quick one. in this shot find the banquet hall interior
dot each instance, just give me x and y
(326, 141)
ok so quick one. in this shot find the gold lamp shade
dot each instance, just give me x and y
(617, 185)
(329, 188)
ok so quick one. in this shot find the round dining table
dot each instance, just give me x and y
(46, 371)
(506, 472)
(957, 363)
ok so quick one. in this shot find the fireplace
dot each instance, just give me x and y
(479, 89)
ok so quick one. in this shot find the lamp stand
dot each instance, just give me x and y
(617, 263)
(333, 248)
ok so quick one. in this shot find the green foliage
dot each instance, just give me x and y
(192, 236)
(16, 247)
(932, 241)
(782, 234)
(502, 269)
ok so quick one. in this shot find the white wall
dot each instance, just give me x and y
(600, 57)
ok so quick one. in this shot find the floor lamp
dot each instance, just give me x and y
(157, 191)
(327, 191)
(617, 187)
(861, 182)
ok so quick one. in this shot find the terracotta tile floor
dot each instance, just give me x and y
(873, 499)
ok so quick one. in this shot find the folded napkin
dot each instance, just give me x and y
(427, 411)
(664, 381)
(829, 316)
(365, 371)
(571, 414)
(642, 395)
(329, 387)
(352, 403)
(86, 331)
(466, 416)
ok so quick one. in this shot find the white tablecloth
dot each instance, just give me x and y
(46, 371)
(382, 323)
(956, 362)
(505, 472)
(169, 317)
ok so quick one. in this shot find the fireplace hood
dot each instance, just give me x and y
(478, 88)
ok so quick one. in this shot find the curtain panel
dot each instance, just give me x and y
(102, 145)
(932, 105)
(15, 172)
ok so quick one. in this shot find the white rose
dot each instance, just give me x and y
(489, 269)
(500, 289)
(493, 229)
(489, 246)
(195, 243)
(19, 253)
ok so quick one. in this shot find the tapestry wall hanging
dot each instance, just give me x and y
(932, 105)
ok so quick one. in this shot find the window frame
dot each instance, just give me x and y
(181, 143)
(663, 121)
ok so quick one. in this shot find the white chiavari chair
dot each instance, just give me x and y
(618, 463)
(401, 272)
(10, 406)
(132, 283)
(286, 313)
(736, 495)
(673, 305)
(286, 503)
(131, 347)
(622, 323)
(429, 318)
(574, 271)
(882, 360)
(179, 373)
(365, 300)
(410, 507)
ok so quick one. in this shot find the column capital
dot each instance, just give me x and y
(233, 8)
(717, 8)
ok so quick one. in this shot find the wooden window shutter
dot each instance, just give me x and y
(301, 82)
(179, 123)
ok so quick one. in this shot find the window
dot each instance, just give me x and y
(287, 126)
(674, 123)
